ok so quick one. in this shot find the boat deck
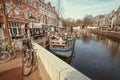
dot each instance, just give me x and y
(60, 46)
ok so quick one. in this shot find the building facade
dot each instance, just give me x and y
(109, 21)
(20, 22)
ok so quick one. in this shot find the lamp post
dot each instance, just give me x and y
(32, 18)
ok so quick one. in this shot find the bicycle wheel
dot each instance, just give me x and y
(35, 60)
(27, 65)
(4, 56)
(24, 53)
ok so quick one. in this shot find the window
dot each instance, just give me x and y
(31, 13)
(29, 2)
(14, 31)
(25, 13)
(34, 3)
(7, 7)
(23, 0)
(16, 10)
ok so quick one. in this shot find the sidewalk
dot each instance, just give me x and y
(13, 74)
(11, 70)
(17, 62)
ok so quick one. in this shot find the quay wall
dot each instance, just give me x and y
(108, 34)
(52, 68)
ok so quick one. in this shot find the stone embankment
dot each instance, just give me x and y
(108, 34)
(52, 68)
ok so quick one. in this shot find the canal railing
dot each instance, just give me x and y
(52, 68)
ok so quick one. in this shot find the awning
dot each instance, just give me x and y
(36, 25)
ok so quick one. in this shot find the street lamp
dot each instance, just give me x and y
(32, 18)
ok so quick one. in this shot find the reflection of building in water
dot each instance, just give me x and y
(86, 38)
(114, 46)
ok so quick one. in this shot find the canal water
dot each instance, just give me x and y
(97, 57)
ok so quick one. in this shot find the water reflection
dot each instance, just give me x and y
(87, 37)
(114, 45)
(97, 57)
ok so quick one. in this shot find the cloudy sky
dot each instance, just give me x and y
(77, 9)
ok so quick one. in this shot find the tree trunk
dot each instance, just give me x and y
(5, 17)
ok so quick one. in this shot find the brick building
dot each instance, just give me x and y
(19, 21)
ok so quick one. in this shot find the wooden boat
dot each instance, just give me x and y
(65, 50)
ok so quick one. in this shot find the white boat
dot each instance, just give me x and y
(64, 50)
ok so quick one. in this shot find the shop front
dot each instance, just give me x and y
(16, 30)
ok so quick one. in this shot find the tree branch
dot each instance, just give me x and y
(18, 2)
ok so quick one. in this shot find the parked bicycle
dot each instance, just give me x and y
(4, 55)
(7, 52)
(10, 49)
(27, 57)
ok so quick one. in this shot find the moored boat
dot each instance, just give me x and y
(65, 49)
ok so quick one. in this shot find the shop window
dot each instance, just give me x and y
(14, 31)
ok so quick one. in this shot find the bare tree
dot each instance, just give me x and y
(5, 14)
(88, 21)
(69, 22)
(79, 22)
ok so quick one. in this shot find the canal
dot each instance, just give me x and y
(97, 57)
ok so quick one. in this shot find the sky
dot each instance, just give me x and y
(77, 9)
